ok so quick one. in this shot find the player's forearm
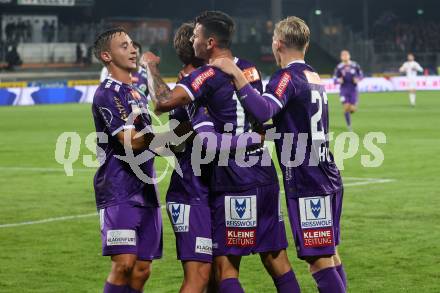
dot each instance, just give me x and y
(258, 106)
(159, 90)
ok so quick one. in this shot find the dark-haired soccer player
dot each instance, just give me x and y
(245, 200)
(348, 74)
(130, 216)
(187, 196)
(296, 101)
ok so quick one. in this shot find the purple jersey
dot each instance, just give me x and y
(298, 103)
(213, 89)
(348, 72)
(189, 189)
(115, 182)
(139, 79)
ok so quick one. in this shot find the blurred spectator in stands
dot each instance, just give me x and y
(51, 31)
(79, 54)
(12, 58)
(45, 31)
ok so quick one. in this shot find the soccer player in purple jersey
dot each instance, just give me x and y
(187, 196)
(296, 101)
(348, 74)
(130, 216)
(239, 195)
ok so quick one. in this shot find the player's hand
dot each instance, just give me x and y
(181, 75)
(226, 65)
(355, 80)
(149, 59)
(340, 80)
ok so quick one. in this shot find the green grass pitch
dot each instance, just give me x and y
(390, 230)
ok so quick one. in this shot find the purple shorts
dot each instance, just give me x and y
(248, 222)
(315, 223)
(128, 229)
(349, 97)
(192, 228)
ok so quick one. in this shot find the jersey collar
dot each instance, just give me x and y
(295, 61)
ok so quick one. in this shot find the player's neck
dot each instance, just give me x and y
(187, 69)
(119, 74)
(220, 53)
(290, 57)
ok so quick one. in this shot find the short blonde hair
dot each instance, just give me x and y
(293, 32)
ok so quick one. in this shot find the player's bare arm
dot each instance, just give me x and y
(163, 97)
(140, 141)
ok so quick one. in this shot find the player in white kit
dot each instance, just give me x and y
(410, 68)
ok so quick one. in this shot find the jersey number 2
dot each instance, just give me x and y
(315, 121)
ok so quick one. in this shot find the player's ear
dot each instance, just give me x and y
(210, 43)
(106, 57)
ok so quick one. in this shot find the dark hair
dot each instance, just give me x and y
(138, 46)
(183, 46)
(218, 25)
(102, 42)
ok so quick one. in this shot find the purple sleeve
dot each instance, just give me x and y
(278, 92)
(336, 74)
(112, 110)
(197, 84)
(359, 72)
(202, 123)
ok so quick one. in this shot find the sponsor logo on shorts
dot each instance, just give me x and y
(179, 215)
(241, 211)
(121, 237)
(318, 237)
(315, 212)
(241, 237)
(204, 245)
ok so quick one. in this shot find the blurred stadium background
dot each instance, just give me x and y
(49, 239)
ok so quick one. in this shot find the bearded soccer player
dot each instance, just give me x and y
(130, 216)
(240, 194)
(348, 74)
(296, 101)
(410, 68)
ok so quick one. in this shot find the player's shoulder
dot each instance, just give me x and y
(109, 87)
(354, 64)
(249, 69)
(340, 65)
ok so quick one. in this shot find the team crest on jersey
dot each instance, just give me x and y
(251, 74)
(315, 212)
(241, 211)
(282, 85)
(179, 216)
(201, 78)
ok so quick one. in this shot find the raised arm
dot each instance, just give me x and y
(261, 107)
(163, 97)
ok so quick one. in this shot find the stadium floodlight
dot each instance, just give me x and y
(318, 12)
(420, 11)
